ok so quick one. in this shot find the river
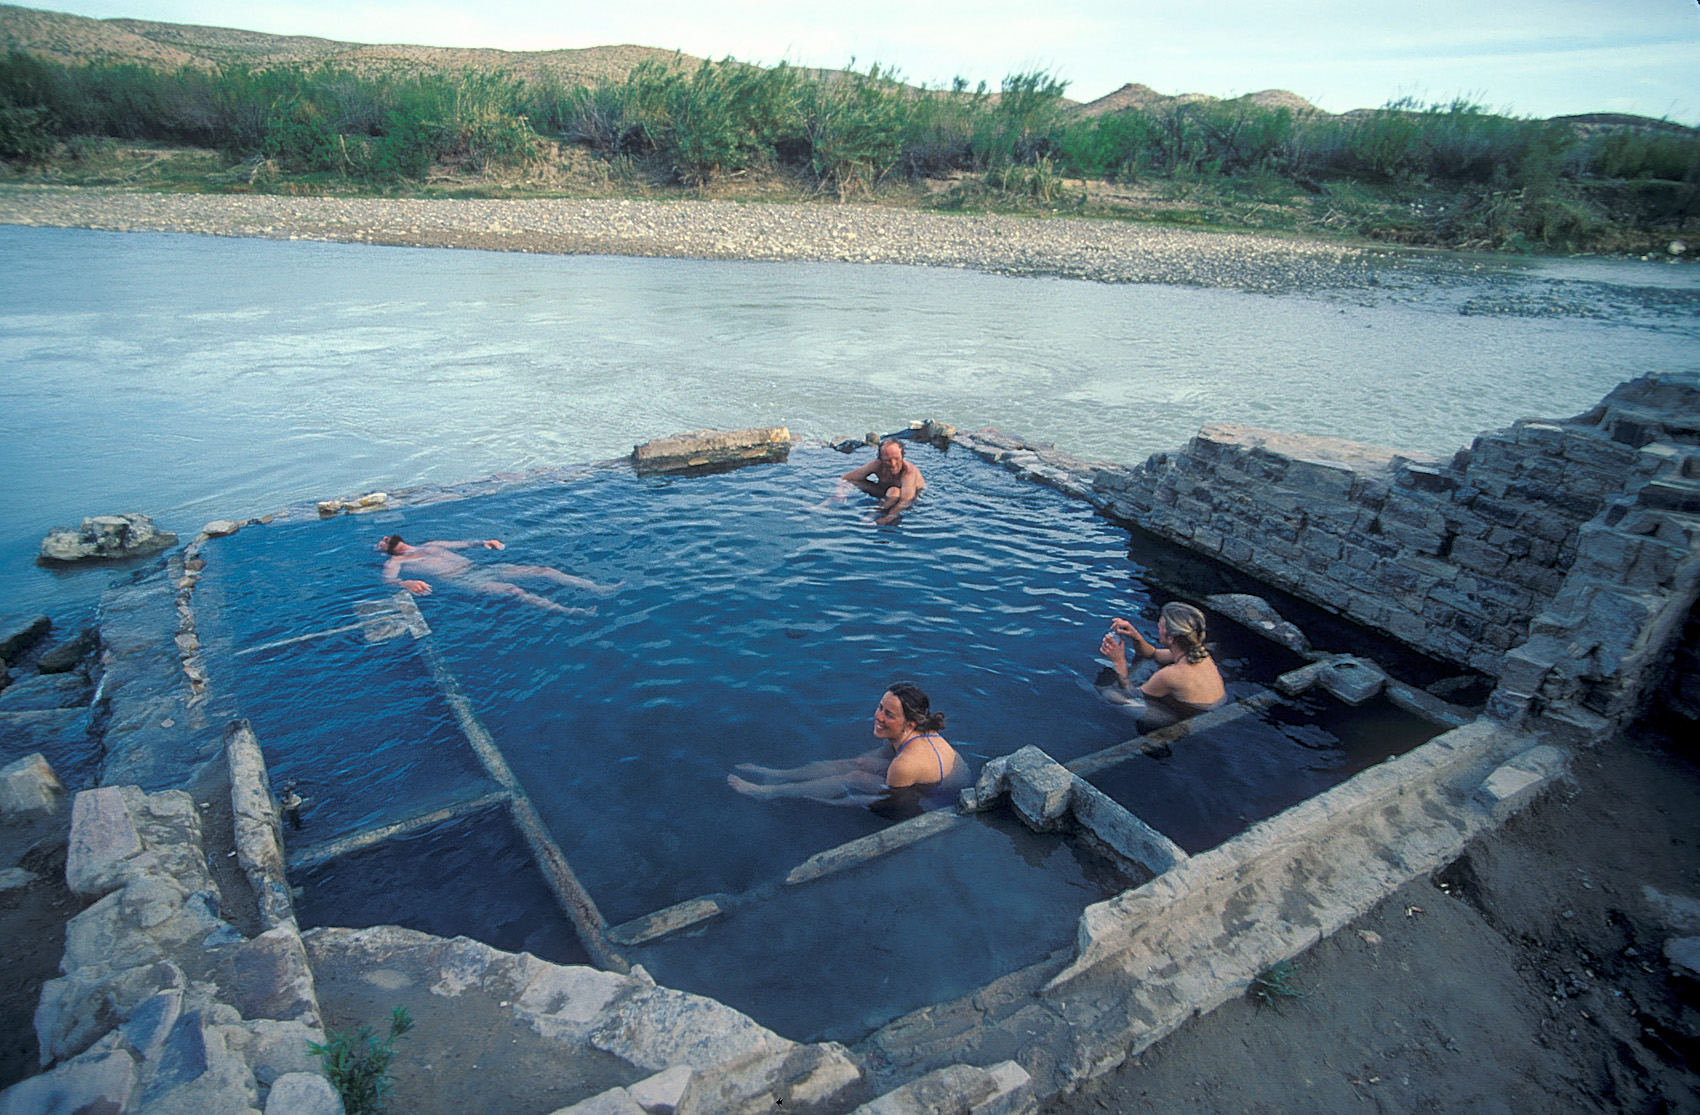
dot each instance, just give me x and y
(193, 378)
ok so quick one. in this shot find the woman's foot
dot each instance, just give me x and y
(748, 789)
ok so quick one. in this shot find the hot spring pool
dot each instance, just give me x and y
(752, 624)
(1220, 778)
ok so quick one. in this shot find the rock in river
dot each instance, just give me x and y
(106, 536)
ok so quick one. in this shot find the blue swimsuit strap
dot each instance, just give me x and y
(937, 758)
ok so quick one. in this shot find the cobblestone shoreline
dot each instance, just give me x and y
(1103, 251)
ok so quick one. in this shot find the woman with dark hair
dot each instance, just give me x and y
(1186, 681)
(913, 766)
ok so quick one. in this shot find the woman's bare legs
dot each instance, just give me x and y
(851, 787)
(809, 772)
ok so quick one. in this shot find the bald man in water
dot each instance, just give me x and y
(439, 559)
(891, 478)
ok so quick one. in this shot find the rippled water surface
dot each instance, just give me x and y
(194, 378)
(751, 625)
(754, 620)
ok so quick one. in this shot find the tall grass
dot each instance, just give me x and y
(1503, 181)
(317, 120)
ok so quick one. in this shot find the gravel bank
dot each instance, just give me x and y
(1104, 251)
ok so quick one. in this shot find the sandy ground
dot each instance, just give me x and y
(1529, 977)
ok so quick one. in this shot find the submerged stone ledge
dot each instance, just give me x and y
(1561, 558)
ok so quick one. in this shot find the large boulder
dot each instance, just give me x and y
(29, 786)
(106, 536)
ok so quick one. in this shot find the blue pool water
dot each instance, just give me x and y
(472, 876)
(834, 959)
(753, 625)
(1216, 781)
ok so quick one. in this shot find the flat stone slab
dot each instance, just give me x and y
(1512, 786)
(871, 846)
(1259, 615)
(558, 1037)
(1354, 455)
(672, 919)
(103, 839)
(707, 448)
(1352, 680)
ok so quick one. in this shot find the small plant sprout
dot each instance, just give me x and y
(1274, 985)
(358, 1063)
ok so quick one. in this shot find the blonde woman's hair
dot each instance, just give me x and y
(1186, 626)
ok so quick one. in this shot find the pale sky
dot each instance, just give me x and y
(1546, 58)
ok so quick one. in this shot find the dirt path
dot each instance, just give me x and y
(1529, 977)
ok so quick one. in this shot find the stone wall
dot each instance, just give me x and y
(1542, 521)
(164, 1007)
(1682, 698)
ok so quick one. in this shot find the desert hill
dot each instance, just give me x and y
(76, 40)
(1133, 95)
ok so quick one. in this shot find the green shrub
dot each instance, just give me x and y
(1021, 124)
(1275, 986)
(1116, 143)
(1038, 181)
(724, 117)
(301, 138)
(857, 128)
(26, 134)
(1670, 155)
(358, 1063)
(940, 135)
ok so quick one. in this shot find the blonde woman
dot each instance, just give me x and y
(1186, 681)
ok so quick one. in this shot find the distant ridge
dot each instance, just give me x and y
(76, 40)
(79, 40)
(1133, 95)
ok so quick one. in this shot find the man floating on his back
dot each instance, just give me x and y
(439, 559)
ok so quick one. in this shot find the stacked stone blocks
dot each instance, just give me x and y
(1453, 557)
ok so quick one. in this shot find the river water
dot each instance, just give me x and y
(194, 378)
